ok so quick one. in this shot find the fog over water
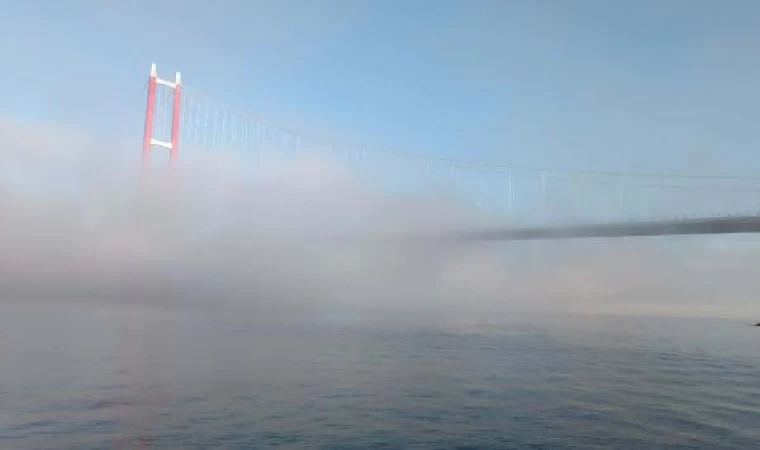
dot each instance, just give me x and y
(250, 300)
(218, 231)
(220, 304)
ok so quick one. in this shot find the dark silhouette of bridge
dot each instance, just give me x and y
(724, 225)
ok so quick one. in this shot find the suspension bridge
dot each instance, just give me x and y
(526, 202)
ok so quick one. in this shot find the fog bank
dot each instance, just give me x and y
(83, 223)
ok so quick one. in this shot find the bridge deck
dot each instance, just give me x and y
(723, 225)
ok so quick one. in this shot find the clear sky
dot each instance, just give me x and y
(603, 85)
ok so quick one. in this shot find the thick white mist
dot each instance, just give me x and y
(217, 231)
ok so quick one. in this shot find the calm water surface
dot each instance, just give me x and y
(129, 377)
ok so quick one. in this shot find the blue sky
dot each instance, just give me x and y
(645, 86)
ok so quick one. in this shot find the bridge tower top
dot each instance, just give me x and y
(149, 141)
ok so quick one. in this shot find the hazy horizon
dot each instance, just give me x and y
(210, 232)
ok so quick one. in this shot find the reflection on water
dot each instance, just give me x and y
(105, 377)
